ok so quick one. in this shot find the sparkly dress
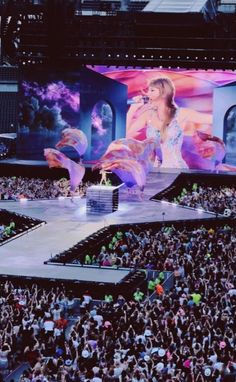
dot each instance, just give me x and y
(171, 146)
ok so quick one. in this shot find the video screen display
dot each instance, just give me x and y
(54, 100)
(193, 116)
(205, 103)
(49, 103)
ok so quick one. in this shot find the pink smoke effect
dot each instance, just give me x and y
(54, 91)
(57, 159)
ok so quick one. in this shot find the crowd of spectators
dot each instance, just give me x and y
(221, 199)
(13, 224)
(15, 188)
(186, 334)
(163, 250)
(32, 323)
(7, 230)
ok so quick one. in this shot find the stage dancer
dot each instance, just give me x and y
(164, 120)
(104, 179)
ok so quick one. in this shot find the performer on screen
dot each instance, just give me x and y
(163, 120)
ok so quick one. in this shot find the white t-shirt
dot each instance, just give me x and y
(48, 326)
(56, 314)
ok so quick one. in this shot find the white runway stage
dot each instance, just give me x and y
(68, 223)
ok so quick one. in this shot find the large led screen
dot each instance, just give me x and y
(53, 100)
(49, 103)
(205, 114)
(198, 133)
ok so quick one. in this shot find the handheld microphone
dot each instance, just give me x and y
(132, 101)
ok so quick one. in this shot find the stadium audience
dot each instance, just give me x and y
(13, 224)
(166, 249)
(33, 322)
(186, 334)
(14, 188)
(7, 230)
(221, 200)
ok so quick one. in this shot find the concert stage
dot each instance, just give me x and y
(68, 223)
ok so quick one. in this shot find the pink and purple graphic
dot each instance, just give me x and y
(74, 138)
(193, 137)
(194, 99)
(55, 158)
(130, 160)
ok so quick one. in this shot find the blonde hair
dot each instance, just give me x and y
(167, 88)
(167, 91)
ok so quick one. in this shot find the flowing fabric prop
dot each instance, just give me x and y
(57, 159)
(74, 138)
(203, 151)
(129, 159)
(77, 139)
(218, 152)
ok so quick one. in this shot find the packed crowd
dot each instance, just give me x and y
(186, 334)
(221, 199)
(164, 250)
(32, 321)
(14, 188)
(13, 224)
(131, 249)
(7, 230)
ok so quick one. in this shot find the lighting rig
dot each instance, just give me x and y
(54, 32)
